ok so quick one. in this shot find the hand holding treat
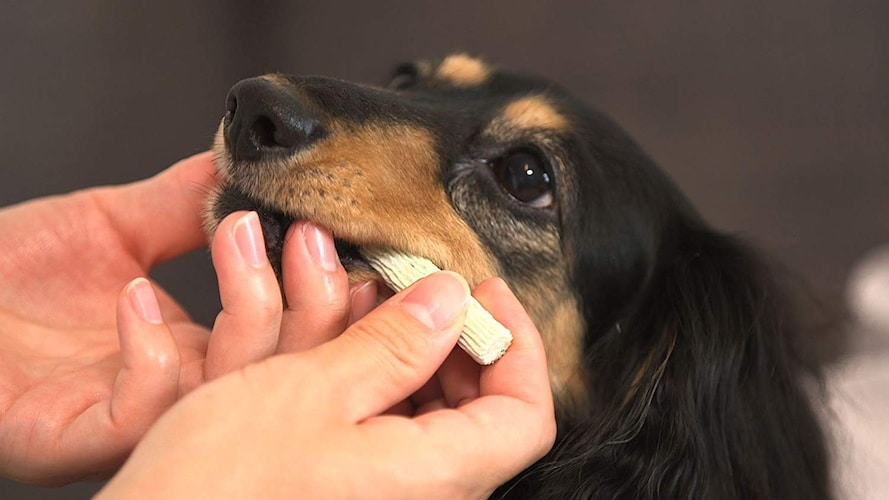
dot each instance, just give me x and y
(483, 337)
(315, 424)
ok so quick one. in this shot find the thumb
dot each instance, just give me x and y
(390, 353)
(160, 217)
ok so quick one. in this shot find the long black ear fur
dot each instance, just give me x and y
(697, 394)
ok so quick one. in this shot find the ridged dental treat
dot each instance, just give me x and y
(483, 338)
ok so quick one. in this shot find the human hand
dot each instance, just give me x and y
(78, 385)
(316, 423)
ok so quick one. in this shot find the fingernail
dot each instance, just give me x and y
(362, 288)
(319, 242)
(144, 302)
(438, 300)
(248, 238)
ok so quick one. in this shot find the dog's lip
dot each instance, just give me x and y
(350, 255)
(348, 251)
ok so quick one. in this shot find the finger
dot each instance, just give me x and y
(459, 379)
(161, 217)
(395, 349)
(246, 330)
(146, 386)
(522, 374)
(512, 423)
(363, 300)
(430, 397)
(173, 311)
(316, 287)
(403, 408)
(459, 374)
(149, 380)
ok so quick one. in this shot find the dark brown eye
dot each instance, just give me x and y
(405, 76)
(524, 176)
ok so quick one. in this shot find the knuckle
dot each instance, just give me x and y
(259, 308)
(269, 309)
(323, 306)
(162, 359)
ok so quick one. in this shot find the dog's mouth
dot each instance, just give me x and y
(350, 256)
(275, 224)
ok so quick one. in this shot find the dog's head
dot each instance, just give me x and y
(485, 172)
(662, 335)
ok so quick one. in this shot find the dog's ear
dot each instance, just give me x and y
(697, 392)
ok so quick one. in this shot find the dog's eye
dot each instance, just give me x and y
(524, 176)
(404, 77)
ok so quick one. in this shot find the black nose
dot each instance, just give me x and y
(263, 119)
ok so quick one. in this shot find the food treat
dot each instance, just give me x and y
(483, 338)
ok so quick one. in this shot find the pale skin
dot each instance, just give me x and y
(91, 355)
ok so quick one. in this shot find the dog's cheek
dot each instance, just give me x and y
(528, 251)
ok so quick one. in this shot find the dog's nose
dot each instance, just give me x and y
(263, 118)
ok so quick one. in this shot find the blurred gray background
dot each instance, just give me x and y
(772, 115)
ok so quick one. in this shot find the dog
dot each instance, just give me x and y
(673, 352)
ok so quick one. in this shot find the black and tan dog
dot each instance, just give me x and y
(671, 350)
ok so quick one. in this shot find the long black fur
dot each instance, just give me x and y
(697, 384)
(697, 381)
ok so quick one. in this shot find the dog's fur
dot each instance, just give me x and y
(672, 351)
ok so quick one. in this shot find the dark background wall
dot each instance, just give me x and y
(772, 115)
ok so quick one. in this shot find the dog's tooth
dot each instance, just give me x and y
(483, 338)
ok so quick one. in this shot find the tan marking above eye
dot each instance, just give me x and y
(533, 112)
(462, 70)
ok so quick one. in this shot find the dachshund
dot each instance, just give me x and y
(674, 352)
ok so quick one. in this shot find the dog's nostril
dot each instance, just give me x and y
(264, 133)
(263, 118)
(289, 132)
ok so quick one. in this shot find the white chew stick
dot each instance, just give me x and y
(483, 338)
